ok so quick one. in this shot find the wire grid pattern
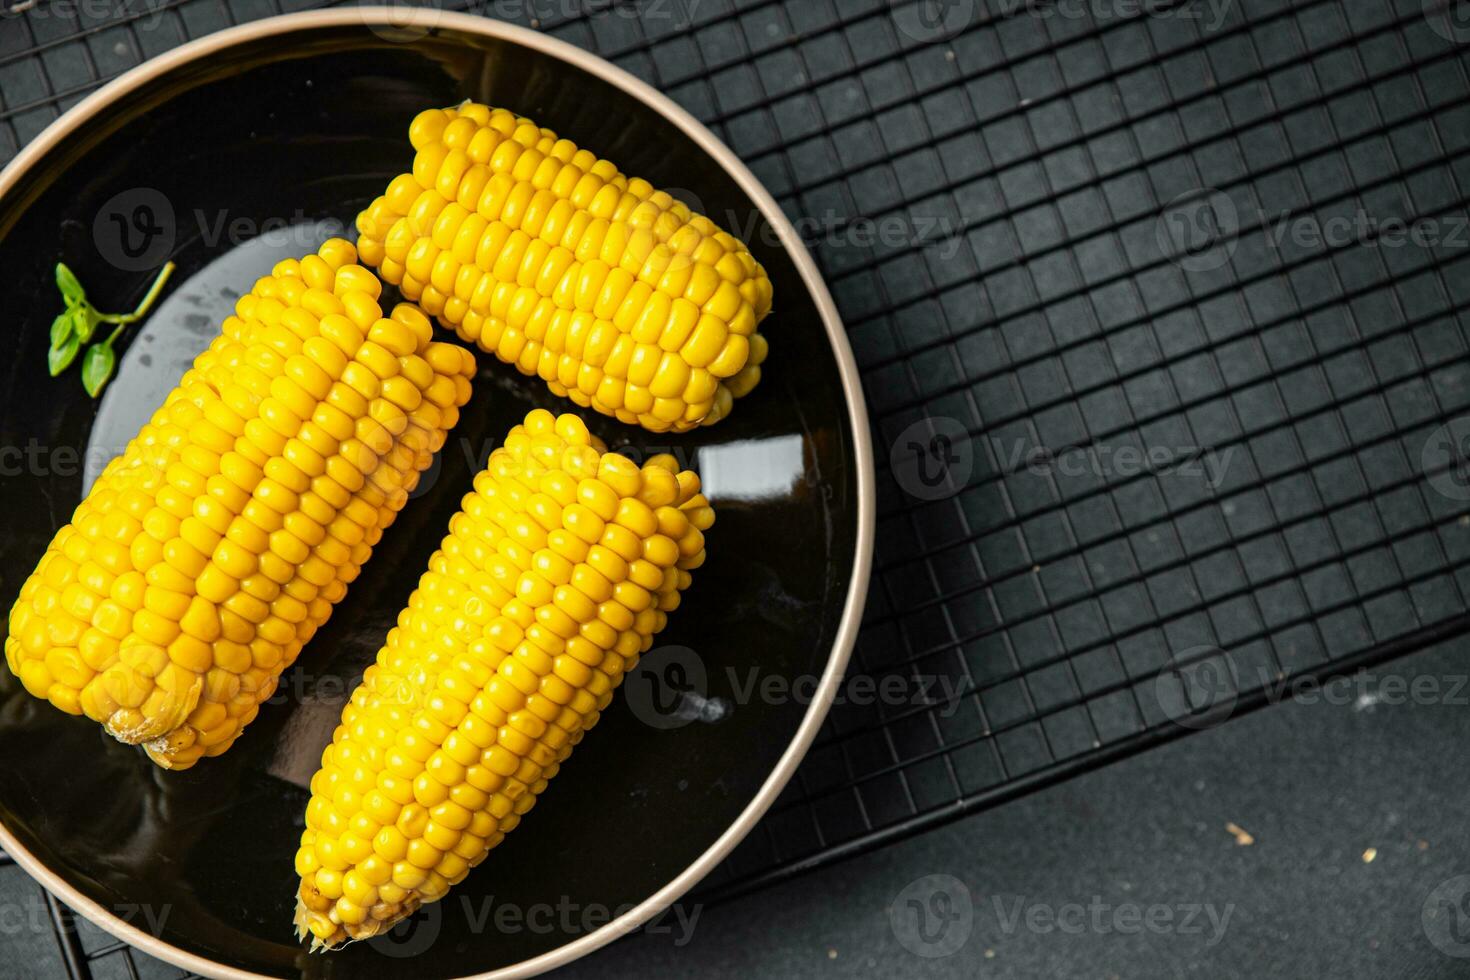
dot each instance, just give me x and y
(996, 192)
(1285, 388)
(43, 938)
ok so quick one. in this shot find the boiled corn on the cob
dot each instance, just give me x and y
(213, 548)
(616, 294)
(560, 568)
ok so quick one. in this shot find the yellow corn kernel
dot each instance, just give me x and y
(503, 657)
(548, 257)
(161, 615)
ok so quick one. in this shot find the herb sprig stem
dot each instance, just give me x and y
(76, 324)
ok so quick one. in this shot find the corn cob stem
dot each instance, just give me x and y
(616, 294)
(556, 574)
(212, 549)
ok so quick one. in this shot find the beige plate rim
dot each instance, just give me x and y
(427, 19)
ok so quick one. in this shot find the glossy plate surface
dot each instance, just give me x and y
(254, 149)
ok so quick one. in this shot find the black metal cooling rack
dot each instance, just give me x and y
(1202, 439)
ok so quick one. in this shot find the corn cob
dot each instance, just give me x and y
(616, 294)
(211, 550)
(554, 577)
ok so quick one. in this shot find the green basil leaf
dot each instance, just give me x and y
(61, 328)
(67, 283)
(97, 366)
(61, 356)
(86, 320)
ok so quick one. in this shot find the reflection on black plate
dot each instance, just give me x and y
(280, 135)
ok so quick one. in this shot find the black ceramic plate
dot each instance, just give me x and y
(238, 148)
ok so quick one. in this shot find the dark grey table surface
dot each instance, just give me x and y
(1353, 798)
